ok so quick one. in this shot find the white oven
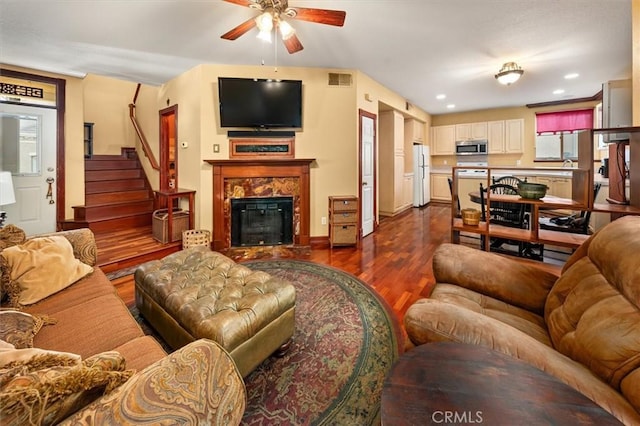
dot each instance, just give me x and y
(471, 171)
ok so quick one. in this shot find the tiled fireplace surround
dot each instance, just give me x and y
(260, 178)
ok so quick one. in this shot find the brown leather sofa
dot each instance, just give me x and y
(582, 327)
(90, 318)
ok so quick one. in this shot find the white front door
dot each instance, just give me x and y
(367, 171)
(28, 151)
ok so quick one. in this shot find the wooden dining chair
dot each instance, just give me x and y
(508, 180)
(450, 181)
(514, 215)
(576, 224)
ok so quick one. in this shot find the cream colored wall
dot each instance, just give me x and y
(106, 104)
(74, 136)
(370, 97)
(328, 134)
(528, 114)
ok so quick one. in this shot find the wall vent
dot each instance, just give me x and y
(338, 79)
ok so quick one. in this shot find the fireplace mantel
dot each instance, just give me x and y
(224, 171)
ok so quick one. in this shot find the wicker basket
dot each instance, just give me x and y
(470, 216)
(196, 237)
(160, 225)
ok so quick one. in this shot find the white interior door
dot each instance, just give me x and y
(28, 151)
(367, 172)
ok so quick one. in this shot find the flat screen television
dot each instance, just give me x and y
(260, 103)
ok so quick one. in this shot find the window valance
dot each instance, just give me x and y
(564, 121)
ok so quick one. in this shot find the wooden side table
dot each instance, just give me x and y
(343, 220)
(171, 194)
(454, 383)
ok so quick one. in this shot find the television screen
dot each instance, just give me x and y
(260, 103)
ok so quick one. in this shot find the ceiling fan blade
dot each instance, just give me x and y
(246, 3)
(320, 16)
(293, 44)
(239, 30)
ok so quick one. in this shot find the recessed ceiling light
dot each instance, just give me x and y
(451, 106)
(441, 96)
(558, 92)
(572, 76)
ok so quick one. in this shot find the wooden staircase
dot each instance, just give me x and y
(117, 194)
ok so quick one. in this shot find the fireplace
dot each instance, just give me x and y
(258, 221)
(260, 178)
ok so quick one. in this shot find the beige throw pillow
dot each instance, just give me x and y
(43, 266)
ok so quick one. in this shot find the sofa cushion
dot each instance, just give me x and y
(141, 352)
(525, 321)
(97, 325)
(593, 311)
(43, 266)
(49, 386)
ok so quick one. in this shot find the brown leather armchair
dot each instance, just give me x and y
(582, 326)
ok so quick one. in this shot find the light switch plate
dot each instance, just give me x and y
(216, 147)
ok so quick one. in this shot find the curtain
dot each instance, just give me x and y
(564, 121)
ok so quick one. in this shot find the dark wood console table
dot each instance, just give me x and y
(453, 383)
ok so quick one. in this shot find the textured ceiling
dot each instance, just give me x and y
(417, 48)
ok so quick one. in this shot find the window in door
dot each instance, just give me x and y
(20, 144)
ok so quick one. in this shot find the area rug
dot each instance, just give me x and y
(345, 342)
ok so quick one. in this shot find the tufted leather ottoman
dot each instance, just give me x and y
(197, 293)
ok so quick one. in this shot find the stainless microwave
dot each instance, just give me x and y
(471, 147)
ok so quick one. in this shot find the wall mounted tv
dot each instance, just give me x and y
(260, 103)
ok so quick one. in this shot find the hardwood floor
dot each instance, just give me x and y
(395, 260)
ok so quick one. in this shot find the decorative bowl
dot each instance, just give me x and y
(470, 216)
(533, 191)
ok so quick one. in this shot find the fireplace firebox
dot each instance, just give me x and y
(261, 221)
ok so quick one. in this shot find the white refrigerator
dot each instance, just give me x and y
(421, 176)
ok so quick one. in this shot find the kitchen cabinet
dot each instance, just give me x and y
(343, 220)
(440, 187)
(495, 137)
(407, 190)
(505, 136)
(443, 140)
(413, 131)
(557, 186)
(466, 131)
(514, 136)
(393, 163)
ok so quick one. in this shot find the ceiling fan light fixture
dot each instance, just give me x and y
(264, 36)
(286, 30)
(264, 22)
(509, 73)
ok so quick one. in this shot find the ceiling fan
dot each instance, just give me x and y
(273, 15)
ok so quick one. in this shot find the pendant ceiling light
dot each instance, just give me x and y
(509, 73)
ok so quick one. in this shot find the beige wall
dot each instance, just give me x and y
(327, 134)
(106, 104)
(529, 116)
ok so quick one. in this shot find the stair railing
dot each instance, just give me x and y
(143, 140)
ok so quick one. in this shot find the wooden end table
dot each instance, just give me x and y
(454, 383)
